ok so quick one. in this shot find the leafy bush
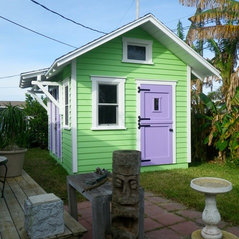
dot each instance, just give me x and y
(224, 127)
(37, 123)
(13, 128)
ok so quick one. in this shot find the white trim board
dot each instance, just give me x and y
(137, 42)
(40, 101)
(189, 154)
(160, 32)
(65, 83)
(74, 116)
(158, 82)
(120, 82)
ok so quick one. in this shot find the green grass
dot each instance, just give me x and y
(175, 184)
(172, 184)
(50, 175)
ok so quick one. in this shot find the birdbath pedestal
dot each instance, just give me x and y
(211, 216)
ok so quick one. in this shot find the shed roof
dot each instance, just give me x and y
(200, 67)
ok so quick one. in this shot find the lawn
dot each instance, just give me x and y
(172, 184)
(175, 184)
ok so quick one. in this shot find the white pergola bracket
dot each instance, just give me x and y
(46, 92)
(40, 101)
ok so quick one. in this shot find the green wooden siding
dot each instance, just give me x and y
(95, 147)
(66, 134)
(66, 139)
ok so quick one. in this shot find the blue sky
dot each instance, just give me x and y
(21, 50)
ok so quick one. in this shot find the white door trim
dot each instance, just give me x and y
(189, 154)
(157, 82)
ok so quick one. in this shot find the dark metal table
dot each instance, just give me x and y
(3, 162)
(100, 198)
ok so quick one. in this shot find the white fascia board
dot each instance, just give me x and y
(185, 46)
(147, 19)
(30, 74)
(63, 60)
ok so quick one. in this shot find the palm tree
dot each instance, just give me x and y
(216, 22)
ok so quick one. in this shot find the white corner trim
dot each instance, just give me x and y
(120, 82)
(74, 116)
(158, 82)
(137, 42)
(189, 153)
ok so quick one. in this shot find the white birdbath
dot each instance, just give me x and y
(211, 216)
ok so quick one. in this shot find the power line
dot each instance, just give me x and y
(66, 18)
(131, 4)
(178, 19)
(43, 35)
(5, 77)
(9, 87)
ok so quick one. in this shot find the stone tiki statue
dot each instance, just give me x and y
(125, 194)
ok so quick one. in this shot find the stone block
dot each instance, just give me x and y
(43, 216)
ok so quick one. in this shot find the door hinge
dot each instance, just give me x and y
(143, 125)
(139, 89)
(139, 118)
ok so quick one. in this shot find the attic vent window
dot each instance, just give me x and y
(137, 51)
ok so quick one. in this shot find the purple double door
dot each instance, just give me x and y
(55, 125)
(156, 124)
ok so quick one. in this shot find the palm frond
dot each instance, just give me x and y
(216, 32)
(203, 3)
(234, 83)
(216, 14)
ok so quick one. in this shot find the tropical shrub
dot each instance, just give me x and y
(37, 123)
(224, 127)
(13, 128)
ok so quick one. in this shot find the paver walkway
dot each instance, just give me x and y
(163, 219)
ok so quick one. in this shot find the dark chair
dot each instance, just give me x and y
(3, 162)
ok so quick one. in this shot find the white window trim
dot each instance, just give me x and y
(137, 42)
(159, 82)
(65, 84)
(120, 82)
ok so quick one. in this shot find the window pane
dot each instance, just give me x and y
(107, 114)
(107, 93)
(156, 103)
(136, 52)
(66, 115)
(66, 95)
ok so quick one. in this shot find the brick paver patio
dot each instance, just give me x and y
(163, 219)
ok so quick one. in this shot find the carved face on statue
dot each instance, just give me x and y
(125, 194)
(126, 189)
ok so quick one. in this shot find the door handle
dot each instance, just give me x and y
(171, 130)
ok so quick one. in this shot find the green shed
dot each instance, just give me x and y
(129, 89)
